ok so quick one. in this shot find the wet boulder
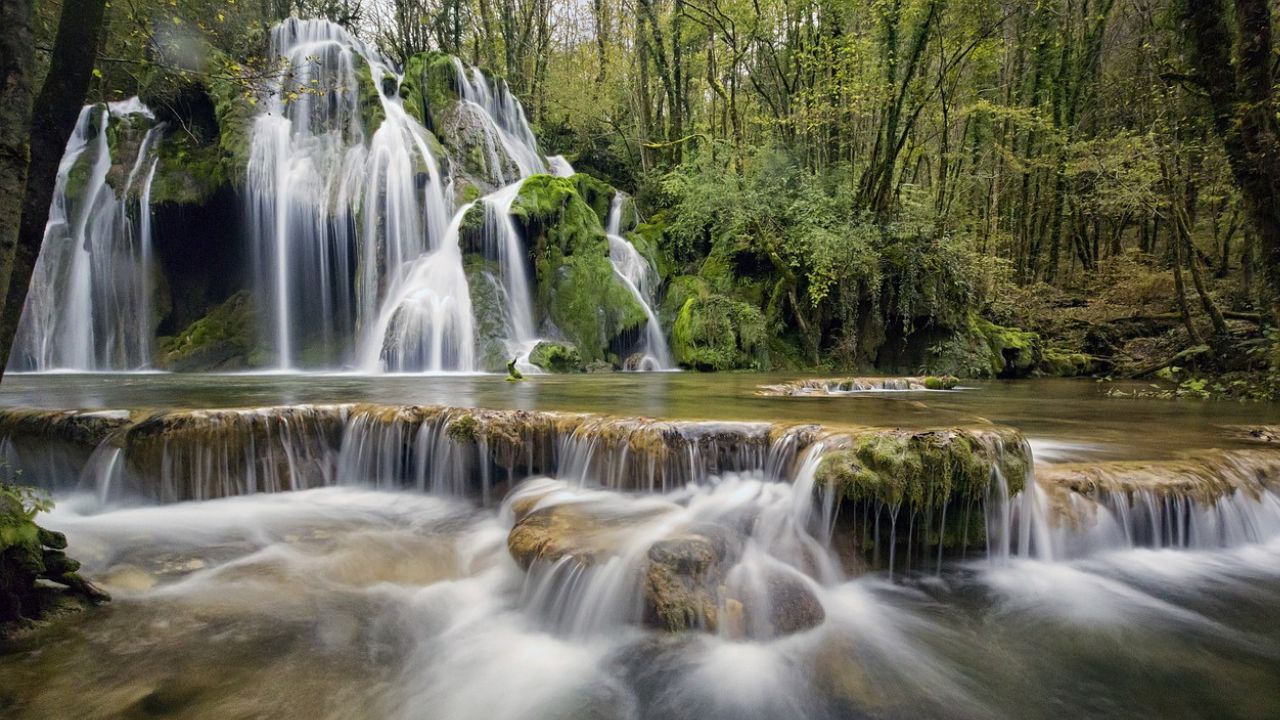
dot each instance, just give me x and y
(221, 340)
(556, 357)
(681, 584)
(577, 289)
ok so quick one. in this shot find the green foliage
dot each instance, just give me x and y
(719, 333)
(29, 554)
(984, 349)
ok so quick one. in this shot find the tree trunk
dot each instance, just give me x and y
(1241, 94)
(16, 94)
(53, 118)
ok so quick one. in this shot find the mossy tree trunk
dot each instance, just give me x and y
(53, 117)
(17, 70)
(1241, 91)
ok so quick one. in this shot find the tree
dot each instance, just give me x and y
(1243, 101)
(52, 119)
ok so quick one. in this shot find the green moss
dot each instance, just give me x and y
(465, 429)
(429, 88)
(489, 310)
(30, 555)
(679, 291)
(1060, 363)
(556, 357)
(941, 382)
(719, 333)
(924, 474)
(577, 288)
(188, 172)
(371, 111)
(983, 349)
(597, 194)
(223, 339)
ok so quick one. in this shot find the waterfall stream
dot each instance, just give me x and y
(90, 306)
(641, 279)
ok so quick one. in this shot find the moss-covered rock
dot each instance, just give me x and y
(429, 88)
(719, 333)
(556, 357)
(983, 349)
(221, 340)
(1060, 363)
(30, 554)
(577, 287)
(371, 111)
(597, 194)
(940, 477)
(679, 291)
(488, 306)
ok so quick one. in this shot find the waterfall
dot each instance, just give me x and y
(337, 216)
(504, 123)
(90, 305)
(641, 278)
(502, 242)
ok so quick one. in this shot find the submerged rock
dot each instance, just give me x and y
(683, 575)
(845, 386)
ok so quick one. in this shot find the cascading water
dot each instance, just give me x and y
(337, 216)
(90, 306)
(641, 278)
(508, 138)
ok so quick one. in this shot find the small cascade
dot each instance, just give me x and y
(557, 165)
(502, 243)
(90, 306)
(641, 278)
(1218, 499)
(426, 323)
(508, 137)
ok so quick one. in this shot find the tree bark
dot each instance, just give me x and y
(53, 118)
(1241, 95)
(17, 66)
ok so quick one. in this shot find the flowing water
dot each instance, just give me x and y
(370, 569)
(349, 214)
(641, 278)
(90, 306)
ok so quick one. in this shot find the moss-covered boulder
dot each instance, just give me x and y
(1062, 363)
(984, 349)
(556, 357)
(942, 478)
(597, 194)
(716, 332)
(429, 88)
(222, 340)
(578, 290)
(30, 555)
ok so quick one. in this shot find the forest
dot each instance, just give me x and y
(955, 186)
(639, 359)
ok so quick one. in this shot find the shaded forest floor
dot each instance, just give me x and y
(1126, 316)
